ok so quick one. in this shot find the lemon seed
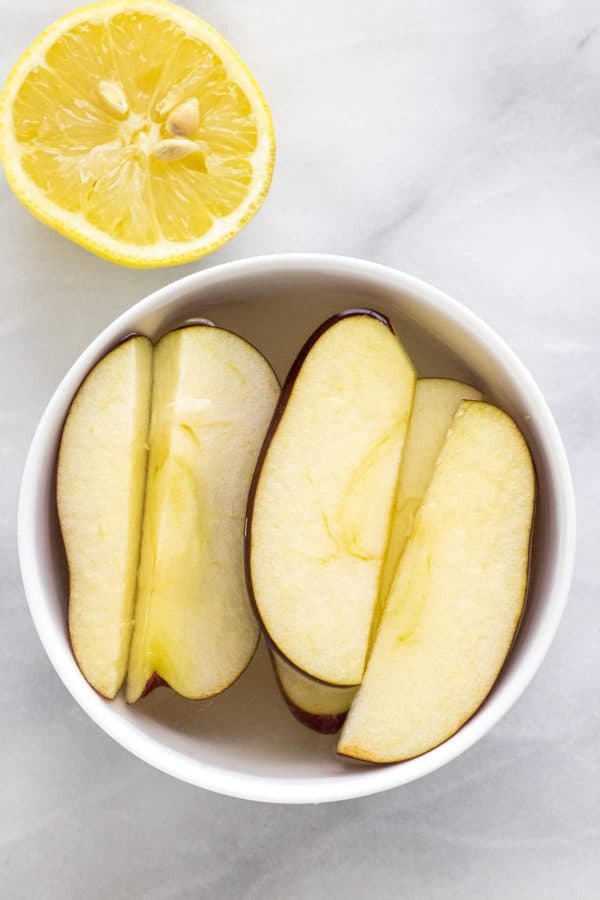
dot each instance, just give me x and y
(185, 118)
(174, 148)
(114, 97)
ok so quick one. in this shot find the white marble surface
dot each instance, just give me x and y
(460, 142)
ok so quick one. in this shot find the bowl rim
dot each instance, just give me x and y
(363, 781)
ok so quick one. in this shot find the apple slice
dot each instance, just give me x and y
(213, 397)
(457, 596)
(100, 493)
(436, 401)
(318, 706)
(322, 707)
(320, 504)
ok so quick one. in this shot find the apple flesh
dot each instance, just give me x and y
(457, 596)
(213, 397)
(436, 401)
(100, 491)
(318, 706)
(322, 495)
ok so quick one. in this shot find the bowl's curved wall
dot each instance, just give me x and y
(245, 743)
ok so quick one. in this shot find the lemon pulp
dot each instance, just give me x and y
(135, 129)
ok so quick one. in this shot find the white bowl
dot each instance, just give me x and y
(245, 743)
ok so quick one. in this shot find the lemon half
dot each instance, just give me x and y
(133, 128)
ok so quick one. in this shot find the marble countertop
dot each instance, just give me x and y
(461, 143)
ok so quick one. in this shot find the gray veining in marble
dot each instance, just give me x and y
(460, 142)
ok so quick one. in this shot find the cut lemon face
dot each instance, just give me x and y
(133, 128)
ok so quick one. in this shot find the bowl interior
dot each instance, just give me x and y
(247, 734)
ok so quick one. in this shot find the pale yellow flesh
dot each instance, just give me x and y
(213, 397)
(457, 596)
(309, 695)
(100, 491)
(436, 401)
(323, 501)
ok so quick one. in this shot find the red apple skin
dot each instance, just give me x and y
(322, 723)
(286, 390)
(155, 681)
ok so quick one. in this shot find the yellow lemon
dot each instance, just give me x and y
(133, 128)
